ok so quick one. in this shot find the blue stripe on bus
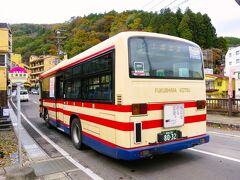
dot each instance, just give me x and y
(133, 154)
(60, 125)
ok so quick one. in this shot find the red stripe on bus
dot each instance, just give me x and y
(195, 118)
(152, 107)
(127, 126)
(51, 108)
(118, 108)
(152, 124)
(78, 61)
(122, 126)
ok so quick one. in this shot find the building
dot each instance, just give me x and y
(40, 64)
(217, 86)
(213, 61)
(16, 59)
(208, 58)
(232, 66)
(5, 61)
(232, 60)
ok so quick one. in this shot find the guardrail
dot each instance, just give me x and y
(228, 105)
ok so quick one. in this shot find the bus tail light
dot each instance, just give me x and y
(202, 141)
(145, 153)
(201, 104)
(137, 132)
(139, 109)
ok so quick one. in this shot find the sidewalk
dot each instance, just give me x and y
(217, 120)
(45, 167)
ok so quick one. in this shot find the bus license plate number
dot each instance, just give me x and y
(167, 136)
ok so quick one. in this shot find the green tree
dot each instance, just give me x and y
(84, 32)
(183, 28)
(232, 41)
(221, 43)
(168, 23)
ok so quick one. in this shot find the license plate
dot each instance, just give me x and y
(169, 136)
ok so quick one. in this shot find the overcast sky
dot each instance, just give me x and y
(225, 14)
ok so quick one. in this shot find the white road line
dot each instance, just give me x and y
(88, 171)
(223, 134)
(215, 155)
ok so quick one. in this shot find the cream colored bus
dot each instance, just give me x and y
(132, 96)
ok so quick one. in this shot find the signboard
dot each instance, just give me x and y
(52, 82)
(18, 75)
(6, 112)
(173, 115)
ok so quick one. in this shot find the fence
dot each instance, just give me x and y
(227, 105)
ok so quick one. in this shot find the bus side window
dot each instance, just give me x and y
(59, 87)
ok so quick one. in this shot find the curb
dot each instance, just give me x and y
(20, 173)
(2, 172)
(222, 125)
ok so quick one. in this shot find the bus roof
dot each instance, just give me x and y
(102, 47)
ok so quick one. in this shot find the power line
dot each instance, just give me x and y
(169, 4)
(181, 3)
(156, 5)
(147, 4)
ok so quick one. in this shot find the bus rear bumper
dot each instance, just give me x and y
(149, 151)
(142, 152)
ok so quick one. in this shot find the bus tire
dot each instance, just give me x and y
(46, 119)
(76, 133)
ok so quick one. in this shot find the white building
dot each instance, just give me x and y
(232, 59)
(232, 62)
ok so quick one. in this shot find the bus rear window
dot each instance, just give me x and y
(164, 58)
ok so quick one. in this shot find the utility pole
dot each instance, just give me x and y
(60, 39)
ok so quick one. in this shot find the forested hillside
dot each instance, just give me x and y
(83, 32)
(232, 41)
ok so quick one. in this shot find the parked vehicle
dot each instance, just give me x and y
(34, 91)
(24, 95)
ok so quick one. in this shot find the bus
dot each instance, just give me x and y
(132, 96)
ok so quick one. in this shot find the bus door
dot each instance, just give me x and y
(59, 102)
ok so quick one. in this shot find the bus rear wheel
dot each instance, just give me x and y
(76, 133)
(46, 118)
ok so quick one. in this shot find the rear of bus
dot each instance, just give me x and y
(162, 82)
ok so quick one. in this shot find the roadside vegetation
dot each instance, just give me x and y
(8, 148)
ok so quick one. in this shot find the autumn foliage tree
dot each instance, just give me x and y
(84, 32)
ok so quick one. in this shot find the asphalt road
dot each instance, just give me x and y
(219, 159)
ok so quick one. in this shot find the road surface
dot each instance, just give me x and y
(219, 159)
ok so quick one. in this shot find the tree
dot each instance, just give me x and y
(168, 23)
(210, 32)
(84, 32)
(183, 28)
(221, 43)
(232, 41)
(136, 24)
